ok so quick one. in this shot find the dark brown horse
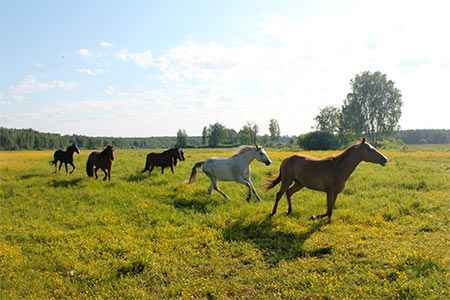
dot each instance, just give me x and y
(166, 159)
(326, 175)
(65, 157)
(100, 160)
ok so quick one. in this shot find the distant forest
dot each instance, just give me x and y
(29, 139)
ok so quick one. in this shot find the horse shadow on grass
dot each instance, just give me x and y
(276, 245)
(28, 176)
(136, 177)
(199, 203)
(58, 183)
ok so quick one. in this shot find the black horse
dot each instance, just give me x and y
(65, 157)
(166, 159)
(100, 160)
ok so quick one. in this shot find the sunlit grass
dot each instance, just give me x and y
(152, 236)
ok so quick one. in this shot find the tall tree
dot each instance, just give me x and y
(216, 134)
(205, 136)
(328, 119)
(248, 134)
(373, 108)
(181, 138)
(274, 129)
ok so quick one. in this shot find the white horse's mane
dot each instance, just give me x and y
(243, 149)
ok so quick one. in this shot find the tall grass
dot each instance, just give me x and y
(152, 236)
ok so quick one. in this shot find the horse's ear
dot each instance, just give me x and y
(363, 140)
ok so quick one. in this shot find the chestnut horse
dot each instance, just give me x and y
(101, 160)
(65, 157)
(326, 175)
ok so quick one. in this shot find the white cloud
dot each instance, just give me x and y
(106, 44)
(85, 52)
(141, 59)
(90, 72)
(122, 54)
(31, 84)
(89, 53)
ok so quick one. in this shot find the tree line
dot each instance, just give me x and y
(29, 139)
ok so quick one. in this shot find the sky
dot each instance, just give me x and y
(150, 68)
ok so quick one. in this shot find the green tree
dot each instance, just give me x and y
(318, 140)
(373, 108)
(248, 134)
(329, 119)
(181, 138)
(216, 134)
(205, 136)
(274, 129)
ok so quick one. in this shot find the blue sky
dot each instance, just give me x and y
(149, 68)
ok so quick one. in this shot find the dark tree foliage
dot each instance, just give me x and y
(29, 139)
(318, 140)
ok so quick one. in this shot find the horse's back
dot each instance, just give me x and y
(309, 171)
(219, 167)
(159, 159)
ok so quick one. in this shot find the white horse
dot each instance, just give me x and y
(235, 168)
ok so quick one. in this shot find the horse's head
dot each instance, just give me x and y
(261, 156)
(111, 152)
(180, 154)
(76, 148)
(370, 154)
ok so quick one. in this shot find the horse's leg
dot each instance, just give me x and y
(253, 190)
(106, 174)
(249, 185)
(162, 170)
(95, 172)
(56, 166)
(171, 169)
(330, 203)
(60, 165)
(283, 189)
(67, 169)
(216, 187)
(73, 166)
(109, 173)
(293, 189)
(151, 169)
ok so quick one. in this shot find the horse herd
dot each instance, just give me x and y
(327, 175)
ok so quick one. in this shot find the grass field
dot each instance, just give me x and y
(142, 236)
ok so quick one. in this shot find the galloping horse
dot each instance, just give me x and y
(235, 168)
(326, 175)
(65, 157)
(166, 159)
(101, 160)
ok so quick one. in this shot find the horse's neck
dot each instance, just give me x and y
(246, 158)
(348, 163)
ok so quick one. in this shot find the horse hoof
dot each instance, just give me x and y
(288, 213)
(312, 218)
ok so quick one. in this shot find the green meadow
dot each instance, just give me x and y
(153, 236)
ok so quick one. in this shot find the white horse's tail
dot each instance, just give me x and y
(194, 172)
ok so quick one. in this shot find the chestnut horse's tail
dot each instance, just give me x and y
(90, 165)
(272, 182)
(194, 172)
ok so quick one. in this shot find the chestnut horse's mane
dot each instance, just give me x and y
(343, 153)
